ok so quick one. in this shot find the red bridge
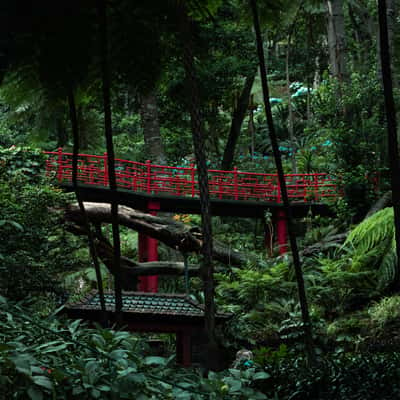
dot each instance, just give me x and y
(154, 188)
(180, 182)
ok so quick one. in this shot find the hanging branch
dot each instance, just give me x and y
(92, 248)
(286, 204)
(207, 269)
(391, 129)
(105, 71)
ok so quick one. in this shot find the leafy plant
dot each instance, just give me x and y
(43, 358)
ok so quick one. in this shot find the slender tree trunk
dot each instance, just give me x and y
(105, 71)
(239, 114)
(290, 109)
(92, 247)
(151, 127)
(83, 137)
(251, 129)
(207, 268)
(288, 210)
(391, 23)
(391, 129)
(336, 38)
(62, 137)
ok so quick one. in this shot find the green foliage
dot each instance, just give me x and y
(384, 313)
(337, 376)
(22, 162)
(373, 245)
(32, 257)
(40, 358)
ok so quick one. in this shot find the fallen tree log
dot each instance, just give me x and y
(130, 270)
(172, 233)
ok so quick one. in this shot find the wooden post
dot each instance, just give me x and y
(59, 165)
(279, 198)
(235, 183)
(148, 169)
(281, 231)
(105, 172)
(316, 187)
(148, 251)
(193, 177)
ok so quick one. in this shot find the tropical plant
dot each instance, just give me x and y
(372, 246)
(32, 259)
(48, 358)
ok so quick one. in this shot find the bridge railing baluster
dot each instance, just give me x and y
(148, 180)
(235, 182)
(193, 182)
(181, 181)
(105, 170)
(60, 165)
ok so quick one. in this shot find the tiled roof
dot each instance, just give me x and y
(144, 303)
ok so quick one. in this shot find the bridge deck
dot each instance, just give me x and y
(188, 205)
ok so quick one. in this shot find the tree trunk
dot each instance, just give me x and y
(84, 134)
(384, 201)
(151, 127)
(391, 24)
(92, 247)
(62, 137)
(252, 131)
(106, 89)
(391, 129)
(290, 109)
(207, 268)
(173, 234)
(238, 116)
(336, 39)
(287, 209)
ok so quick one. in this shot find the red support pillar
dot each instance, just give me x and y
(281, 231)
(148, 251)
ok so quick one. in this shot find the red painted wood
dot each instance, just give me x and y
(148, 251)
(181, 181)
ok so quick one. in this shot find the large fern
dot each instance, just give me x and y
(372, 245)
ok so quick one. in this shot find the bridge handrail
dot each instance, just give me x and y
(182, 181)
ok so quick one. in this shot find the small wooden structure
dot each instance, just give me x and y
(150, 312)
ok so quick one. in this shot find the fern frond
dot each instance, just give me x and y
(387, 268)
(372, 231)
(372, 246)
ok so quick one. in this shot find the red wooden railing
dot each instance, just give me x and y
(182, 181)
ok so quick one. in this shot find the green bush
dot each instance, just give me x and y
(385, 312)
(46, 358)
(35, 249)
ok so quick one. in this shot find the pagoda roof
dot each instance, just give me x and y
(142, 304)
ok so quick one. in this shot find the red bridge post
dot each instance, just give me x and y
(281, 231)
(60, 165)
(105, 169)
(148, 251)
